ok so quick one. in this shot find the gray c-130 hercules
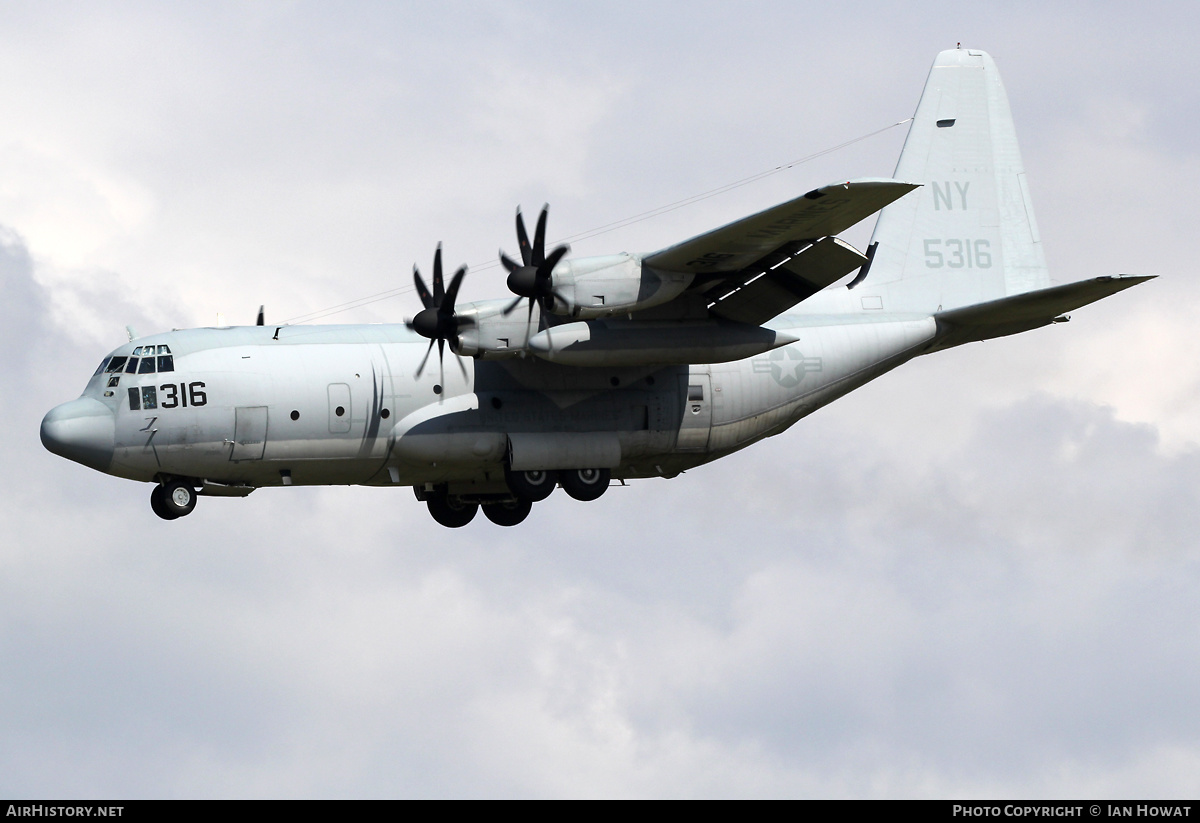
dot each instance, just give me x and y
(607, 368)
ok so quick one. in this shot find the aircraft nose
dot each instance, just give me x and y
(82, 430)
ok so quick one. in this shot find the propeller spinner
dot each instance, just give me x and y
(530, 279)
(437, 320)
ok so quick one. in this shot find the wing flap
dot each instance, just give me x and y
(822, 212)
(757, 298)
(1022, 312)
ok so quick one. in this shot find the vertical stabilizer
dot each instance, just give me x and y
(969, 234)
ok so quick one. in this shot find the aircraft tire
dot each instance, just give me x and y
(533, 486)
(585, 484)
(178, 498)
(508, 514)
(159, 504)
(451, 516)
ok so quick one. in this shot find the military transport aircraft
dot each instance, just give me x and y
(606, 368)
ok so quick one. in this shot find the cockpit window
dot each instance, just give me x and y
(146, 351)
(100, 368)
(143, 361)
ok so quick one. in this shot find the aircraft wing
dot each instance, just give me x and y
(763, 292)
(1022, 312)
(822, 212)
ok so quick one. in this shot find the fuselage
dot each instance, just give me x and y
(247, 407)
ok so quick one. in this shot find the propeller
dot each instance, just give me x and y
(530, 279)
(437, 320)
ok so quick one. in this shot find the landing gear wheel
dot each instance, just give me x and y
(159, 504)
(178, 498)
(508, 514)
(533, 486)
(585, 484)
(451, 515)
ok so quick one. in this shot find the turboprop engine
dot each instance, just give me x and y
(591, 287)
(579, 313)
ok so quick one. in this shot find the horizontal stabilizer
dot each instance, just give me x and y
(1022, 312)
(822, 212)
(762, 296)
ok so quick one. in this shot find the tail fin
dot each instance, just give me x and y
(969, 235)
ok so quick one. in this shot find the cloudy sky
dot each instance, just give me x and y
(977, 576)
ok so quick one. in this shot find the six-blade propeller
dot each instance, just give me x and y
(530, 279)
(437, 320)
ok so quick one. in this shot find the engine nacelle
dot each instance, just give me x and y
(488, 333)
(612, 285)
(591, 287)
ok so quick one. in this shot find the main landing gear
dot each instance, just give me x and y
(524, 489)
(451, 511)
(585, 484)
(173, 499)
(508, 513)
(454, 511)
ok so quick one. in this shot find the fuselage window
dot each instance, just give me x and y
(147, 366)
(135, 398)
(131, 366)
(149, 397)
(165, 361)
(115, 365)
(100, 368)
(114, 381)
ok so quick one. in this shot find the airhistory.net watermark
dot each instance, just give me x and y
(42, 810)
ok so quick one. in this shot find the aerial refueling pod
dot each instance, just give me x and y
(622, 343)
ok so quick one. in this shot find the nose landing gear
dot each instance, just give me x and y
(173, 499)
